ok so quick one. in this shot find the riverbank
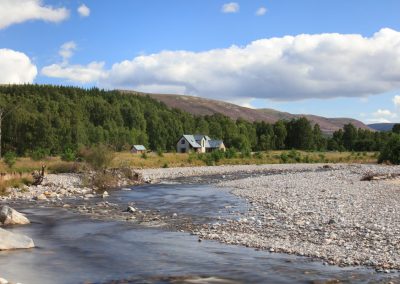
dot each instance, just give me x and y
(316, 210)
(327, 213)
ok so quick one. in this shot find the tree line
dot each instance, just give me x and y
(55, 119)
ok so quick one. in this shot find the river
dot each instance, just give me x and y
(72, 248)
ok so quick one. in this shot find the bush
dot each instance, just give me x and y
(103, 181)
(68, 155)
(391, 151)
(10, 158)
(230, 153)
(284, 158)
(98, 157)
(39, 154)
(64, 167)
(160, 153)
(294, 155)
(258, 155)
(144, 155)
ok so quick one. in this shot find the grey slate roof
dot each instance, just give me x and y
(195, 140)
(192, 141)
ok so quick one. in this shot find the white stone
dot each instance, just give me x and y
(11, 240)
(9, 216)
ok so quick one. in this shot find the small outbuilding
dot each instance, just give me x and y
(138, 149)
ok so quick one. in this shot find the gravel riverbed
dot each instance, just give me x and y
(328, 214)
(324, 212)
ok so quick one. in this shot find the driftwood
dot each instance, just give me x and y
(373, 176)
(38, 176)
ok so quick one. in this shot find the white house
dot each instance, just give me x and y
(199, 144)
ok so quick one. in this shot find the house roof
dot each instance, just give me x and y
(215, 143)
(192, 141)
(139, 147)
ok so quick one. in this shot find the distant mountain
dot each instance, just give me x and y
(382, 126)
(201, 106)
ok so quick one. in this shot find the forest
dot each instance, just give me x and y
(55, 119)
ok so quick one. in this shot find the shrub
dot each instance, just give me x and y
(64, 167)
(104, 181)
(230, 153)
(39, 154)
(10, 158)
(165, 166)
(68, 155)
(160, 153)
(391, 151)
(98, 157)
(144, 155)
(284, 158)
(294, 155)
(258, 155)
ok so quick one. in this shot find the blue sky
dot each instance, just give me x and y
(215, 49)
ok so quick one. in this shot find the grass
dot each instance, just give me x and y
(14, 183)
(173, 160)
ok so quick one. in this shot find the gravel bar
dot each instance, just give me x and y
(328, 214)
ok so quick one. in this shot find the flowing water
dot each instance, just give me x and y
(72, 248)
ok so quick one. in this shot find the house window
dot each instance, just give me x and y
(182, 141)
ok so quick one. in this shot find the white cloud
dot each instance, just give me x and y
(67, 50)
(83, 74)
(261, 11)
(19, 11)
(382, 116)
(396, 101)
(384, 113)
(231, 7)
(286, 68)
(84, 10)
(16, 67)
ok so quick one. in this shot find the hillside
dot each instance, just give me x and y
(201, 106)
(382, 126)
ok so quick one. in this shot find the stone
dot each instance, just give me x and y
(11, 240)
(131, 209)
(40, 197)
(105, 194)
(9, 216)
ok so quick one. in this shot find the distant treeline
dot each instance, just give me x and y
(55, 119)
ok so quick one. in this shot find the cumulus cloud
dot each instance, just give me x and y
(231, 7)
(19, 11)
(83, 74)
(261, 11)
(382, 116)
(84, 10)
(396, 101)
(16, 67)
(76, 73)
(67, 50)
(286, 68)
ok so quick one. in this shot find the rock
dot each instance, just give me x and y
(11, 240)
(105, 194)
(40, 197)
(131, 209)
(9, 216)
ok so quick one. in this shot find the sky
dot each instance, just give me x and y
(336, 58)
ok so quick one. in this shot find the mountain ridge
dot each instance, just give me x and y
(202, 106)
